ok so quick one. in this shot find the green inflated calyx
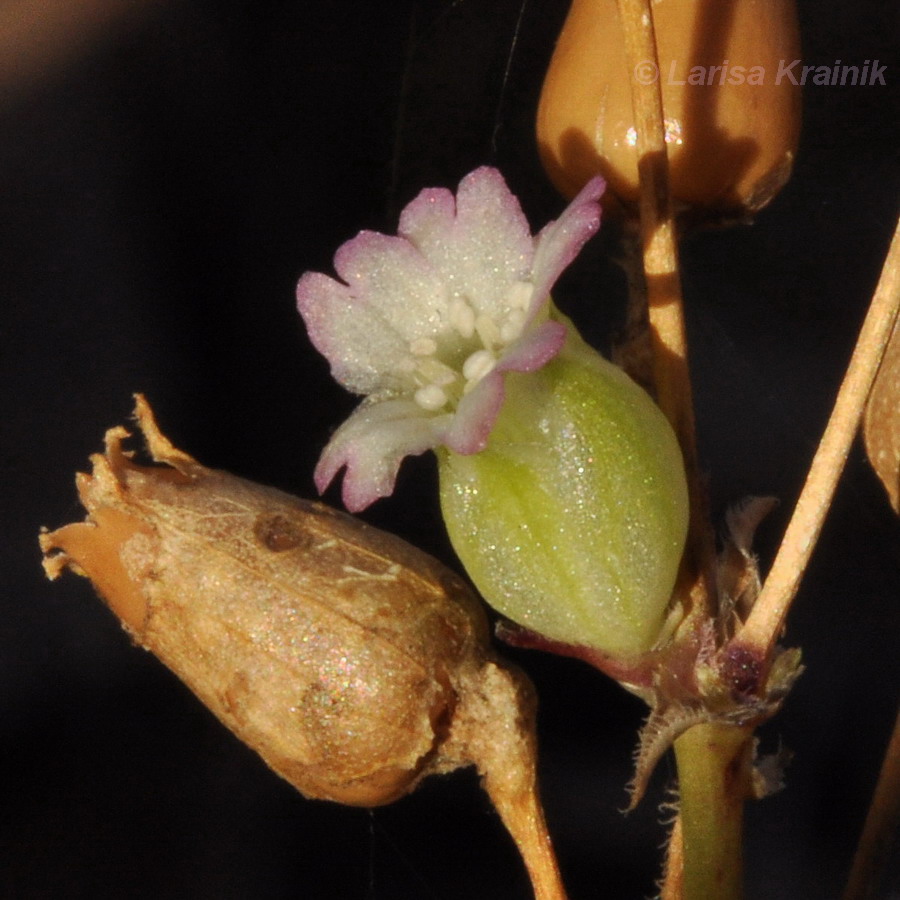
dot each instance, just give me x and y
(572, 521)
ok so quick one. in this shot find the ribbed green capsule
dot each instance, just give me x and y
(572, 521)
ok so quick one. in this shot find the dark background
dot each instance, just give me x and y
(161, 190)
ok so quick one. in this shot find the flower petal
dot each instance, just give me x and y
(372, 443)
(478, 410)
(559, 242)
(366, 355)
(395, 281)
(481, 251)
(428, 218)
(463, 269)
(475, 415)
(534, 349)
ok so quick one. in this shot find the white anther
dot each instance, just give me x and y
(436, 372)
(478, 365)
(423, 346)
(462, 317)
(512, 327)
(519, 295)
(430, 397)
(487, 330)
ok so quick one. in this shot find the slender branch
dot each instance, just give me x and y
(882, 821)
(658, 229)
(765, 622)
(704, 858)
(668, 337)
(524, 818)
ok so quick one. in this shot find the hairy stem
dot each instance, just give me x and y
(673, 884)
(714, 763)
(766, 620)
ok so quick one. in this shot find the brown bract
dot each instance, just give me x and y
(354, 664)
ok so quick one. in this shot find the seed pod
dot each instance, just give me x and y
(732, 116)
(572, 521)
(354, 664)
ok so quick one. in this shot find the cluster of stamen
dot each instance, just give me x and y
(438, 383)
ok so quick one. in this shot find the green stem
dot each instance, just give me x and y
(713, 779)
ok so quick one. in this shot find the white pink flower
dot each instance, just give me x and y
(425, 324)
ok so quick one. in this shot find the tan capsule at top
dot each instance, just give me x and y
(732, 114)
(353, 663)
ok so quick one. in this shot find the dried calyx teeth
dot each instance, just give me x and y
(354, 664)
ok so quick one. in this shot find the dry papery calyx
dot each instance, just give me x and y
(354, 664)
(732, 124)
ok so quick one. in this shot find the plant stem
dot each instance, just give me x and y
(765, 622)
(704, 860)
(873, 851)
(668, 337)
(673, 883)
(657, 227)
(524, 819)
(714, 764)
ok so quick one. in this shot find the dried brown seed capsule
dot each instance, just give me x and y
(354, 664)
